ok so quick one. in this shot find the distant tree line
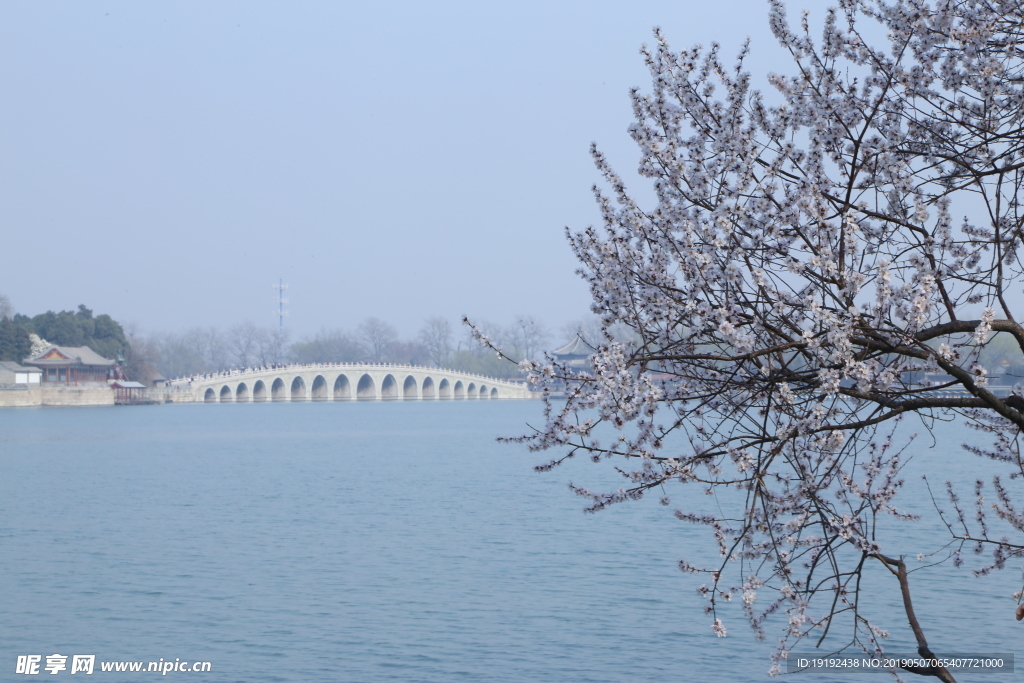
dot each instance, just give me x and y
(439, 343)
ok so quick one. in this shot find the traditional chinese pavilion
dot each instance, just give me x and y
(576, 354)
(128, 392)
(73, 365)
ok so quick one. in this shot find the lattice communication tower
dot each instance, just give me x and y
(281, 313)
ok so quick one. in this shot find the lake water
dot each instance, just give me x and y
(375, 542)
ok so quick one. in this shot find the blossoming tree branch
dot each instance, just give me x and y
(814, 250)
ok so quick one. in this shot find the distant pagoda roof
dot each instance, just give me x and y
(68, 355)
(577, 348)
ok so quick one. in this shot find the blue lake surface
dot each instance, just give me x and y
(382, 542)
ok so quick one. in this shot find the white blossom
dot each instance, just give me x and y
(797, 285)
(718, 628)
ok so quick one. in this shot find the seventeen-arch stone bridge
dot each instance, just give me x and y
(341, 382)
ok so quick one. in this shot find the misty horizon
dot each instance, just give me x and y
(166, 164)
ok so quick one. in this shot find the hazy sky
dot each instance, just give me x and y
(167, 162)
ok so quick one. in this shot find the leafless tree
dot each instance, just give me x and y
(436, 335)
(809, 258)
(590, 328)
(142, 357)
(378, 337)
(409, 353)
(178, 357)
(529, 336)
(332, 346)
(210, 344)
(242, 343)
(270, 345)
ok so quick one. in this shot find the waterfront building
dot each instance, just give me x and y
(73, 365)
(128, 392)
(13, 374)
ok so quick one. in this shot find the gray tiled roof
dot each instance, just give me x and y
(11, 366)
(577, 347)
(83, 354)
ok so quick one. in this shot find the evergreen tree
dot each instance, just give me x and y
(14, 341)
(101, 333)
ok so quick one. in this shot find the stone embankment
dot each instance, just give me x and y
(14, 396)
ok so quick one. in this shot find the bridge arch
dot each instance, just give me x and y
(277, 390)
(366, 389)
(225, 394)
(389, 387)
(459, 390)
(428, 390)
(444, 389)
(494, 392)
(471, 391)
(409, 388)
(319, 392)
(483, 391)
(210, 396)
(342, 388)
(259, 391)
(298, 392)
(242, 393)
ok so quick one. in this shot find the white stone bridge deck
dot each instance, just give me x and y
(340, 382)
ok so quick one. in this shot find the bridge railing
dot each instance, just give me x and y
(238, 373)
